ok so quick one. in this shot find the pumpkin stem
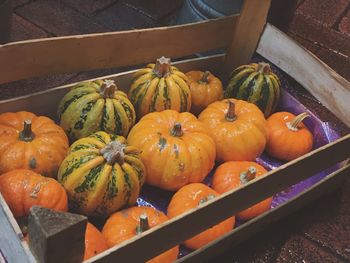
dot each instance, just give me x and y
(205, 78)
(26, 135)
(113, 152)
(264, 68)
(143, 225)
(230, 115)
(177, 130)
(249, 175)
(162, 67)
(294, 124)
(206, 199)
(108, 89)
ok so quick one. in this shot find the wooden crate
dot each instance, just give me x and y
(242, 35)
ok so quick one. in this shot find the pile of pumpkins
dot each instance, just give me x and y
(111, 157)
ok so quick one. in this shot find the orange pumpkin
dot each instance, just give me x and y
(238, 129)
(289, 137)
(23, 189)
(175, 148)
(189, 197)
(95, 242)
(231, 175)
(31, 142)
(205, 89)
(130, 222)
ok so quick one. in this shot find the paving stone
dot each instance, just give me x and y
(344, 25)
(58, 18)
(309, 45)
(88, 6)
(312, 30)
(325, 11)
(121, 17)
(23, 29)
(17, 3)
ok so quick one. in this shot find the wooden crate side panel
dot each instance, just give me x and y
(320, 80)
(228, 204)
(33, 58)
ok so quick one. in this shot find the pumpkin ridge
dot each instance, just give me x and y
(67, 103)
(245, 89)
(75, 164)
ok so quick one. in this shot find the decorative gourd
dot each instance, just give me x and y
(238, 129)
(190, 197)
(231, 175)
(95, 106)
(205, 89)
(255, 83)
(23, 189)
(130, 222)
(31, 142)
(175, 148)
(101, 174)
(289, 138)
(159, 87)
(95, 242)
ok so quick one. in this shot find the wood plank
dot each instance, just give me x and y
(228, 204)
(70, 54)
(246, 33)
(246, 231)
(320, 80)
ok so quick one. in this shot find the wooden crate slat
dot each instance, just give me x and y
(163, 237)
(33, 58)
(320, 80)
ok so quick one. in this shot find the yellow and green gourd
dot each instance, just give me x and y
(160, 87)
(93, 106)
(255, 83)
(101, 174)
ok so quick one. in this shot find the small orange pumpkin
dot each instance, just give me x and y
(95, 242)
(130, 222)
(231, 175)
(238, 129)
(31, 142)
(23, 189)
(189, 197)
(205, 89)
(289, 137)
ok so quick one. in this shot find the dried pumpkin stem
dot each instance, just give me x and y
(205, 78)
(162, 67)
(230, 115)
(113, 152)
(264, 68)
(143, 224)
(294, 124)
(249, 175)
(108, 89)
(177, 130)
(27, 134)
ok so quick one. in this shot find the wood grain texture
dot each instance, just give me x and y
(320, 80)
(71, 54)
(246, 33)
(228, 204)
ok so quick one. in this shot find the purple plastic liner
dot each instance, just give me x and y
(323, 134)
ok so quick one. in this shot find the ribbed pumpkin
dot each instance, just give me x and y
(95, 106)
(159, 87)
(133, 221)
(95, 242)
(23, 189)
(255, 83)
(176, 148)
(238, 128)
(31, 142)
(101, 174)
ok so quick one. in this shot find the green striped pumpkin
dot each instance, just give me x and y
(101, 174)
(160, 87)
(93, 106)
(255, 83)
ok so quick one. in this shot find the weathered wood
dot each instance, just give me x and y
(319, 79)
(56, 237)
(33, 58)
(246, 33)
(228, 204)
(247, 230)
